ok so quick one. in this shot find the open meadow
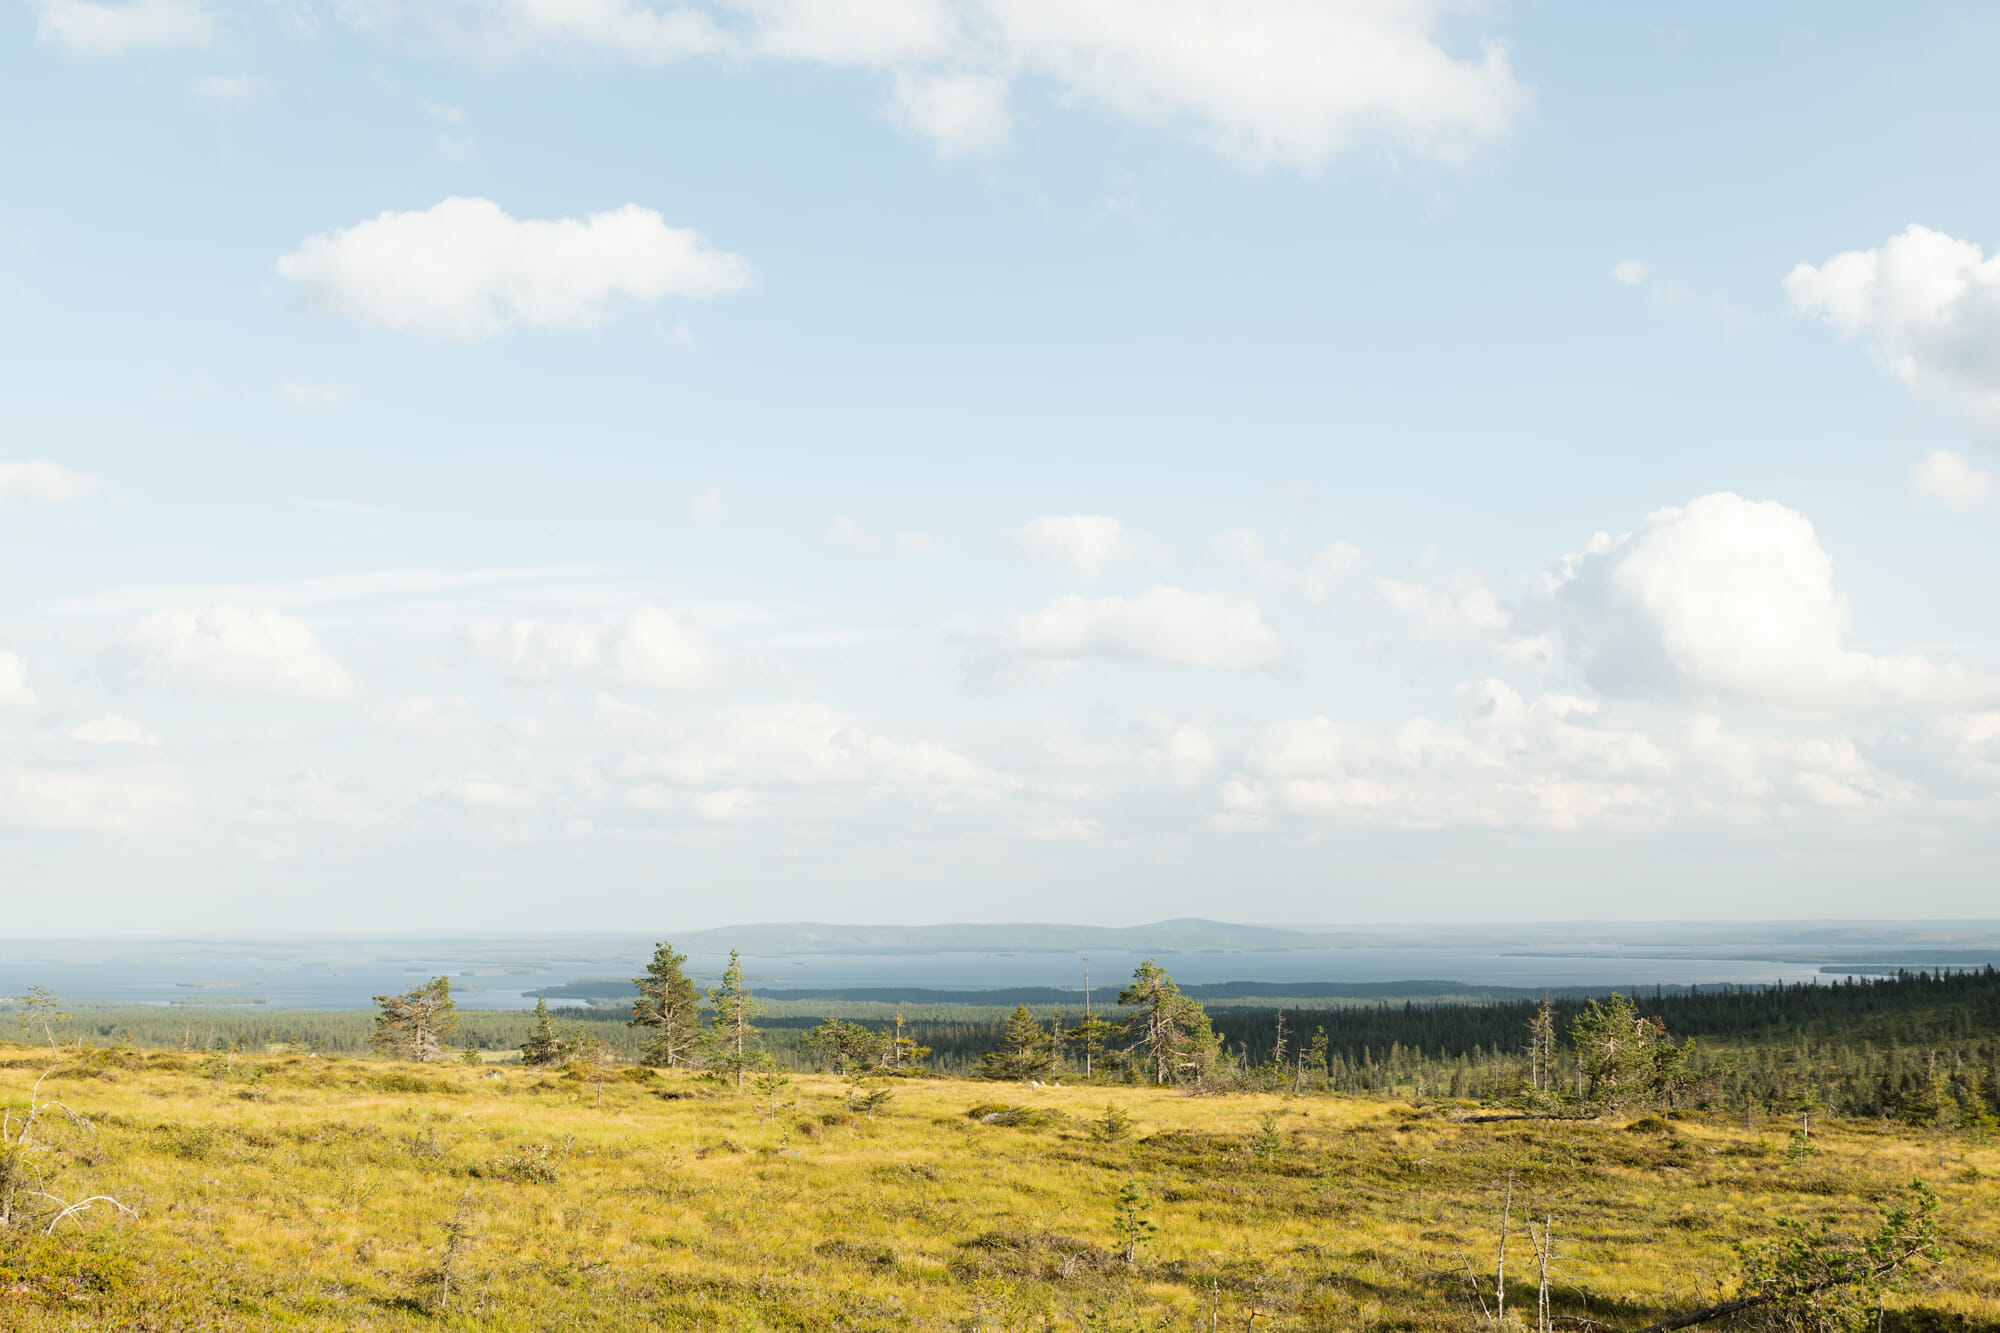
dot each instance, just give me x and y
(313, 1192)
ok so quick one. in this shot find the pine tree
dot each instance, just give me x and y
(1169, 1030)
(546, 1046)
(731, 1040)
(669, 1009)
(418, 1024)
(1023, 1052)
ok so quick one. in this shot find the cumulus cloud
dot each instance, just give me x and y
(129, 796)
(15, 696)
(234, 91)
(707, 504)
(959, 113)
(786, 745)
(1267, 82)
(1928, 306)
(1161, 625)
(42, 481)
(1184, 750)
(1630, 272)
(1086, 543)
(237, 650)
(309, 393)
(464, 270)
(1555, 762)
(1288, 82)
(87, 29)
(1313, 577)
(477, 791)
(1951, 481)
(1733, 599)
(851, 536)
(649, 648)
(1461, 612)
(502, 30)
(114, 729)
(426, 718)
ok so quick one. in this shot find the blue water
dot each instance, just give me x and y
(508, 973)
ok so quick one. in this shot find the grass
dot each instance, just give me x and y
(292, 1192)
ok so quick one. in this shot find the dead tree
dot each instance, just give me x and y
(29, 1166)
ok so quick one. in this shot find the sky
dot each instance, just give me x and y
(562, 464)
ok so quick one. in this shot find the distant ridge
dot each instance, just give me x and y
(1182, 933)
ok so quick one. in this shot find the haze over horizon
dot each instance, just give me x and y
(584, 467)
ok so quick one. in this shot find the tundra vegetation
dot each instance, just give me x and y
(1612, 1180)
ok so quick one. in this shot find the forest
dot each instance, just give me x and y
(1875, 1046)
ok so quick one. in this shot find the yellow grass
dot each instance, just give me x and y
(314, 1196)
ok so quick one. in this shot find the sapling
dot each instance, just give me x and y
(1129, 1221)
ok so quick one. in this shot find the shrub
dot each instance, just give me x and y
(1014, 1117)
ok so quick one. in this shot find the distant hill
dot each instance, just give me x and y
(819, 937)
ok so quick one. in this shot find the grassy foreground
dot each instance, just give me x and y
(315, 1193)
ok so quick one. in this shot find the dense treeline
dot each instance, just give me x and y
(1920, 1046)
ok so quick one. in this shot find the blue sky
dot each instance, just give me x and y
(474, 460)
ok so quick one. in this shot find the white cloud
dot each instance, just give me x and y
(1289, 82)
(1731, 599)
(851, 536)
(959, 113)
(477, 791)
(129, 797)
(1267, 82)
(846, 532)
(1951, 481)
(726, 806)
(1928, 305)
(1314, 578)
(1461, 612)
(87, 29)
(787, 745)
(15, 696)
(42, 481)
(114, 729)
(1556, 762)
(501, 30)
(649, 648)
(428, 718)
(708, 504)
(308, 798)
(464, 270)
(361, 586)
(240, 650)
(306, 393)
(1631, 272)
(1186, 751)
(1086, 543)
(1160, 625)
(229, 90)
(457, 148)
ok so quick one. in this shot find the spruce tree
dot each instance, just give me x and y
(546, 1046)
(669, 1009)
(731, 1040)
(1023, 1052)
(418, 1024)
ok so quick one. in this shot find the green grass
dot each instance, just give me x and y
(292, 1192)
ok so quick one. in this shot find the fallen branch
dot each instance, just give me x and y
(84, 1204)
